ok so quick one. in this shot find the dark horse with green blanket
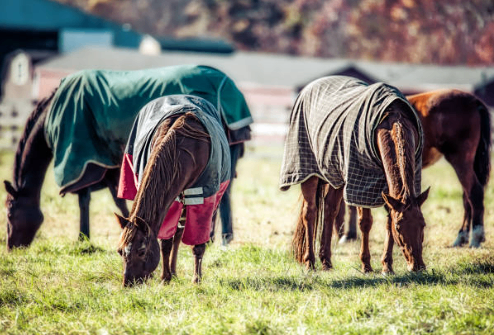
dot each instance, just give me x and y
(84, 127)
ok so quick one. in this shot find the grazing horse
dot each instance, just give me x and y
(457, 126)
(363, 143)
(32, 158)
(177, 163)
(84, 125)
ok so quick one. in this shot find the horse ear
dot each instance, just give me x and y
(121, 220)
(141, 223)
(10, 189)
(393, 203)
(421, 198)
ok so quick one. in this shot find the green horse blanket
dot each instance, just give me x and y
(93, 111)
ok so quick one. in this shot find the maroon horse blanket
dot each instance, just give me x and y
(201, 199)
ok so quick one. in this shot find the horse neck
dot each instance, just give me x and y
(32, 156)
(166, 175)
(397, 148)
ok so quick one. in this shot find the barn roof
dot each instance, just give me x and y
(44, 15)
(277, 70)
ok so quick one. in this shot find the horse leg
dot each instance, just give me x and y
(176, 244)
(387, 258)
(473, 198)
(476, 197)
(225, 210)
(112, 179)
(166, 248)
(225, 206)
(308, 217)
(365, 223)
(332, 202)
(84, 199)
(339, 222)
(213, 227)
(464, 231)
(198, 251)
(351, 231)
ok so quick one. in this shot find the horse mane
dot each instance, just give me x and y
(33, 118)
(163, 168)
(399, 152)
(405, 153)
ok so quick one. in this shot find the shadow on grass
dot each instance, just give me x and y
(476, 266)
(85, 248)
(309, 283)
(73, 249)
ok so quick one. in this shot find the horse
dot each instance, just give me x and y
(32, 157)
(104, 103)
(457, 126)
(178, 149)
(361, 142)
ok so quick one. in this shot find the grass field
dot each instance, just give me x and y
(61, 286)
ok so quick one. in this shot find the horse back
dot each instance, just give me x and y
(452, 120)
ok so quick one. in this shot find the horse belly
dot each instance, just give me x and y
(430, 157)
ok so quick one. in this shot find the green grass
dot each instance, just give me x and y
(61, 286)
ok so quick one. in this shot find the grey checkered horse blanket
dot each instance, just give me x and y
(332, 136)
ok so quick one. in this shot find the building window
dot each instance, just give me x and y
(20, 69)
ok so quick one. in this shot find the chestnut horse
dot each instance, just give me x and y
(457, 126)
(397, 139)
(181, 147)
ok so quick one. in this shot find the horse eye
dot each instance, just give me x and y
(141, 251)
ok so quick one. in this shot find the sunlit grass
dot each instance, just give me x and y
(59, 285)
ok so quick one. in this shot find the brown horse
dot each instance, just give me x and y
(32, 158)
(457, 126)
(181, 148)
(396, 136)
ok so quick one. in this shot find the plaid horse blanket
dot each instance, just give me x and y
(92, 112)
(332, 136)
(203, 197)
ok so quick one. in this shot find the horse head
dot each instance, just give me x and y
(24, 217)
(139, 249)
(407, 225)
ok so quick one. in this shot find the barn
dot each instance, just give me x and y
(270, 82)
(34, 30)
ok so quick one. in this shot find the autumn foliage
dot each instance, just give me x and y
(416, 31)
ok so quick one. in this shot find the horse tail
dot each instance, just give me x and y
(482, 162)
(299, 241)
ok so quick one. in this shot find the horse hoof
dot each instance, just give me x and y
(310, 266)
(477, 237)
(166, 281)
(327, 267)
(196, 280)
(475, 244)
(387, 273)
(367, 269)
(461, 240)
